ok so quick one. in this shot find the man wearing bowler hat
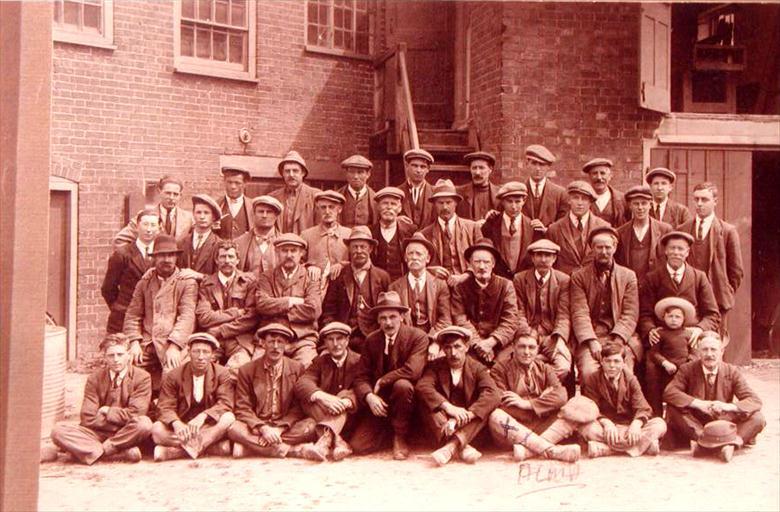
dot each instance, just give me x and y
(255, 248)
(359, 205)
(161, 315)
(235, 207)
(296, 197)
(326, 241)
(665, 209)
(572, 231)
(199, 250)
(638, 239)
(196, 400)
(510, 232)
(390, 231)
(415, 205)
(392, 361)
(608, 203)
(547, 201)
(479, 196)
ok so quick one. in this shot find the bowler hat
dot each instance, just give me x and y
(361, 233)
(275, 328)
(268, 201)
(596, 162)
(208, 201)
(358, 161)
(295, 157)
(638, 191)
(539, 153)
(680, 235)
(419, 238)
(452, 332)
(234, 169)
(544, 245)
(290, 239)
(600, 230)
(165, 244)
(483, 244)
(660, 171)
(444, 188)
(330, 195)
(338, 327)
(719, 433)
(581, 187)
(389, 192)
(418, 153)
(687, 308)
(203, 337)
(490, 158)
(388, 300)
(512, 189)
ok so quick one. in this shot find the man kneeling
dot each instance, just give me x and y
(113, 413)
(194, 406)
(625, 422)
(458, 394)
(531, 396)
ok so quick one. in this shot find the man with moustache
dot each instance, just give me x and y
(326, 247)
(392, 361)
(359, 205)
(479, 196)
(547, 201)
(608, 203)
(426, 296)
(638, 247)
(661, 182)
(457, 394)
(126, 266)
(415, 204)
(511, 232)
(198, 250)
(226, 308)
(390, 231)
(194, 409)
(326, 394)
(235, 217)
(161, 314)
(255, 248)
(297, 197)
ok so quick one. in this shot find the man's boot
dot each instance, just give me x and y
(341, 449)
(469, 454)
(220, 449)
(163, 453)
(598, 449)
(400, 448)
(444, 454)
(559, 430)
(537, 444)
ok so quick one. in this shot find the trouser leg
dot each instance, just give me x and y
(559, 430)
(507, 431)
(749, 428)
(164, 435)
(323, 418)
(301, 431)
(654, 385)
(401, 402)
(683, 425)
(586, 363)
(371, 434)
(135, 431)
(85, 444)
(215, 432)
(556, 353)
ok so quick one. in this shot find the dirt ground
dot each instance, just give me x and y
(671, 481)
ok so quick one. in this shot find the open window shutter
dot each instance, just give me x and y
(655, 57)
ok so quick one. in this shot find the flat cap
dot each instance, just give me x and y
(540, 154)
(596, 162)
(688, 309)
(490, 158)
(453, 332)
(601, 230)
(330, 195)
(208, 201)
(680, 235)
(268, 201)
(660, 171)
(418, 153)
(636, 191)
(275, 328)
(295, 157)
(228, 170)
(444, 188)
(203, 337)
(581, 187)
(544, 245)
(290, 239)
(512, 189)
(358, 161)
(338, 327)
(389, 192)
(361, 233)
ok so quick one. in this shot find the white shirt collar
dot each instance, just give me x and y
(672, 272)
(339, 362)
(509, 220)
(450, 223)
(239, 200)
(291, 274)
(603, 199)
(144, 248)
(706, 224)
(357, 194)
(388, 233)
(543, 278)
(195, 236)
(457, 374)
(585, 218)
(540, 184)
(413, 280)
(122, 374)
(225, 279)
(389, 340)
(641, 232)
(708, 372)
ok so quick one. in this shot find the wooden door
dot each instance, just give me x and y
(731, 171)
(59, 249)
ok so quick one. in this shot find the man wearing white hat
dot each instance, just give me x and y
(296, 196)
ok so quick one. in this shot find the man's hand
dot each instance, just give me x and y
(270, 435)
(491, 214)
(486, 345)
(670, 367)
(611, 433)
(717, 407)
(595, 349)
(314, 272)
(378, 386)
(434, 351)
(335, 271)
(440, 272)
(404, 219)
(704, 406)
(694, 333)
(294, 301)
(377, 406)
(512, 399)
(181, 430)
(332, 404)
(234, 311)
(461, 416)
(172, 356)
(653, 337)
(136, 353)
(103, 410)
(195, 424)
(188, 273)
(562, 349)
(538, 225)
(456, 279)
(634, 432)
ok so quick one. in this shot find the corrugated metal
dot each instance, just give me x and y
(54, 366)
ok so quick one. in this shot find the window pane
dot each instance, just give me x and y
(338, 18)
(221, 11)
(338, 39)
(237, 47)
(204, 9)
(238, 13)
(311, 34)
(92, 15)
(348, 19)
(220, 45)
(362, 22)
(187, 40)
(188, 8)
(362, 43)
(203, 43)
(72, 13)
(360, 5)
(323, 15)
(312, 12)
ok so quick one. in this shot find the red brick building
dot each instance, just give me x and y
(145, 89)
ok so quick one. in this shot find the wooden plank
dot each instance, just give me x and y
(716, 169)
(659, 157)
(697, 172)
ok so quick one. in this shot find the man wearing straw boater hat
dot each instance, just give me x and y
(296, 197)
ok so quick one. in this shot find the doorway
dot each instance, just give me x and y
(63, 232)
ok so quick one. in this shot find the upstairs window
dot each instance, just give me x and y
(216, 38)
(340, 27)
(85, 22)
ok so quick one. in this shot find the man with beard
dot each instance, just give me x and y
(390, 231)
(510, 232)
(235, 217)
(126, 266)
(608, 203)
(485, 304)
(546, 201)
(226, 308)
(359, 207)
(194, 409)
(297, 197)
(415, 204)
(161, 315)
(255, 247)
(198, 250)
(638, 247)
(326, 247)
(479, 196)
(661, 182)
(458, 394)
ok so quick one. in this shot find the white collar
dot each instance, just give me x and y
(603, 199)
(238, 200)
(291, 274)
(540, 184)
(144, 248)
(357, 194)
(122, 374)
(225, 279)
(450, 223)
(706, 222)
(196, 378)
(413, 280)
(673, 272)
(585, 219)
(457, 375)
(388, 233)
(509, 220)
(545, 278)
(195, 236)
(340, 362)
(641, 232)
(710, 372)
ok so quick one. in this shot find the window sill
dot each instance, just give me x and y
(213, 71)
(336, 53)
(61, 36)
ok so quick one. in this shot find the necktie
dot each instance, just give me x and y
(710, 379)
(199, 241)
(418, 286)
(700, 230)
(169, 222)
(580, 232)
(656, 211)
(512, 228)
(447, 231)
(148, 256)
(580, 227)
(536, 190)
(388, 344)
(115, 382)
(226, 293)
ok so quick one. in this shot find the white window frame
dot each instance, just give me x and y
(207, 67)
(330, 50)
(62, 33)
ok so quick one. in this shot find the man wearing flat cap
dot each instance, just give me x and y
(543, 307)
(326, 241)
(355, 291)
(415, 204)
(296, 197)
(638, 239)
(390, 231)
(256, 247)
(571, 232)
(426, 296)
(392, 361)
(199, 249)
(665, 209)
(546, 200)
(359, 206)
(269, 419)
(161, 314)
(604, 305)
(235, 207)
(289, 295)
(608, 203)
(449, 234)
(326, 393)
(511, 232)
(485, 304)
(457, 395)
(479, 196)
(194, 409)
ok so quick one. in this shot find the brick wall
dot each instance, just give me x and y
(124, 116)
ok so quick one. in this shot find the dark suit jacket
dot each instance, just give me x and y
(525, 287)
(466, 205)
(252, 390)
(205, 262)
(229, 230)
(323, 375)
(688, 383)
(488, 312)
(695, 287)
(466, 234)
(407, 359)
(135, 397)
(726, 271)
(126, 266)
(177, 402)
(656, 231)
(437, 295)
(616, 213)
(676, 213)
(372, 213)
(305, 215)
(584, 297)
(272, 291)
(338, 299)
(564, 234)
(628, 405)
(404, 230)
(492, 229)
(553, 205)
(229, 329)
(537, 383)
(427, 207)
(435, 387)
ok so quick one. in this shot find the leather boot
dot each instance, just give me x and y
(220, 449)
(444, 454)
(469, 454)
(400, 448)
(130, 455)
(598, 449)
(162, 453)
(276, 451)
(341, 449)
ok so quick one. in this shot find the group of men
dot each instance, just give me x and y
(319, 324)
